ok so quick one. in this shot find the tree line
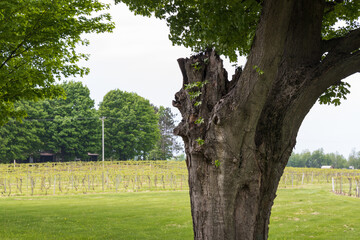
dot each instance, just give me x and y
(318, 158)
(69, 128)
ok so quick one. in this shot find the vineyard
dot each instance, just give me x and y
(135, 176)
(92, 177)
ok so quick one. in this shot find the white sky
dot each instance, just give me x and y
(139, 57)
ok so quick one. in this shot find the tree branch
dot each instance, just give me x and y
(36, 26)
(339, 67)
(345, 44)
(330, 6)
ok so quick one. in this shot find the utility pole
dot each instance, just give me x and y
(103, 152)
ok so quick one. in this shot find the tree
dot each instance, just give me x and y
(69, 127)
(37, 42)
(130, 126)
(354, 159)
(20, 140)
(298, 160)
(167, 144)
(239, 134)
(317, 159)
(337, 160)
(75, 128)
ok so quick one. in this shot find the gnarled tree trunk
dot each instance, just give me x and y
(233, 175)
(239, 134)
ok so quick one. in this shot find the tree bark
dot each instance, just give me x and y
(229, 175)
(239, 139)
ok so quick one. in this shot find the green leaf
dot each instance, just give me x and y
(258, 70)
(194, 95)
(199, 121)
(200, 141)
(217, 163)
(38, 41)
(335, 93)
(198, 103)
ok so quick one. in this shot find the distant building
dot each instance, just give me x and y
(47, 157)
(327, 167)
(93, 156)
(351, 167)
(53, 157)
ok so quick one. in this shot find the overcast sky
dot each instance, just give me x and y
(138, 57)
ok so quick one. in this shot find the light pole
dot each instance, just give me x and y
(103, 152)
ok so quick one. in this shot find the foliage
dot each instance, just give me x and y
(37, 42)
(167, 144)
(346, 12)
(131, 125)
(258, 70)
(229, 26)
(200, 141)
(198, 84)
(354, 159)
(76, 128)
(68, 126)
(335, 93)
(317, 159)
(20, 140)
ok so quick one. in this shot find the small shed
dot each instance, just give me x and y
(47, 157)
(93, 156)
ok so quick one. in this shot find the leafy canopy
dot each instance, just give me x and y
(37, 46)
(67, 127)
(229, 26)
(76, 128)
(131, 125)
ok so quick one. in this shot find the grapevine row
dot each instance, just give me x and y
(133, 176)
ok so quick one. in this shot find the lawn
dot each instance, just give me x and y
(311, 212)
(150, 215)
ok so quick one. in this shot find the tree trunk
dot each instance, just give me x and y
(232, 178)
(239, 134)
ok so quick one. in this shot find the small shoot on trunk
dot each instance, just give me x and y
(200, 141)
(217, 163)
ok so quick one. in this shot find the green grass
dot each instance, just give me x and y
(313, 212)
(304, 213)
(151, 215)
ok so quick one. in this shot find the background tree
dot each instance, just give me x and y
(354, 159)
(167, 144)
(75, 128)
(37, 47)
(21, 140)
(316, 159)
(69, 127)
(337, 160)
(239, 134)
(299, 159)
(131, 128)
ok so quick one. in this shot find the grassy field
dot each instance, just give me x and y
(310, 212)
(313, 212)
